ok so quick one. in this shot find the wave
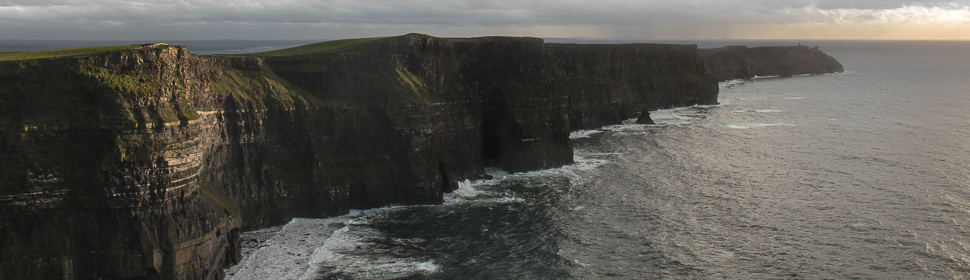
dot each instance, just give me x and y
(682, 115)
(349, 246)
(479, 191)
(756, 125)
(765, 77)
(759, 111)
(287, 253)
(670, 116)
(583, 133)
(341, 256)
(731, 83)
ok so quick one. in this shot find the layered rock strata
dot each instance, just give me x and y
(146, 163)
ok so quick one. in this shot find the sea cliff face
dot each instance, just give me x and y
(606, 84)
(147, 163)
(741, 62)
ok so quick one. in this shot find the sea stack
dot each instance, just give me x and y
(645, 118)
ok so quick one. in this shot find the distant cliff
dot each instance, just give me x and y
(148, 162)
(606, 84)
(741, 62)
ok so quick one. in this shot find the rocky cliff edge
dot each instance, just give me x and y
(147, 162)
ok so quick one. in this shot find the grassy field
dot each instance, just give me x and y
(11, 56)
(319, 47)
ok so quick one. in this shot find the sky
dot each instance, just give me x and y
(600, 19)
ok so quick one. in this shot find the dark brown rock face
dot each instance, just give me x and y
(606, 84)
(741, 62)
(147, 163)
(102, 158)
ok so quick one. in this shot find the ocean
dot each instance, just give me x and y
(863, 174)
(856, 175)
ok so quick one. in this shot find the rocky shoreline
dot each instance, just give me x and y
(147, 163)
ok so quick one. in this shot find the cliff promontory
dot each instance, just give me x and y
(145, 162)
(741, 62)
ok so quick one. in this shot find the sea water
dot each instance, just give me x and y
(862, 174)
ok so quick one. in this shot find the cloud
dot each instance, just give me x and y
(945, 14)
(201, 18)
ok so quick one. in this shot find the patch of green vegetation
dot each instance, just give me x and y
(320, 47)
(138, 84)
(306, 67)
(215, 198)
(10, 56)
(258, 86)
(188, 114)
(412, 90)
(166, 115)
(213, 203)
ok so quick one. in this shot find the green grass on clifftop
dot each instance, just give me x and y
(11, 56)
(320, 47)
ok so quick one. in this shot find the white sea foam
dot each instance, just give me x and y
(704, 106)
(671, 116)
(731, 83)
(348, 253)
(624, 127)
(585, 133)
(765, 77)
(286, 255)
(295, 251)
(466, 189)
(469, 189)
(755, 125)
(759, 111)
(582, 163)
(579, 164)
(604, 154)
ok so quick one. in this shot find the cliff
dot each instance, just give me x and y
(606, 84)
(741, 62)
(147, 162)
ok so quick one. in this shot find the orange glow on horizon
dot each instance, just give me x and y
(950, 23)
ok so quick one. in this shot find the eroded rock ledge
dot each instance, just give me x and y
(146, 163)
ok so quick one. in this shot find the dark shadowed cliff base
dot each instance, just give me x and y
(147, 162)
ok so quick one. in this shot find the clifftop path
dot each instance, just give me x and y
(147, 161)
